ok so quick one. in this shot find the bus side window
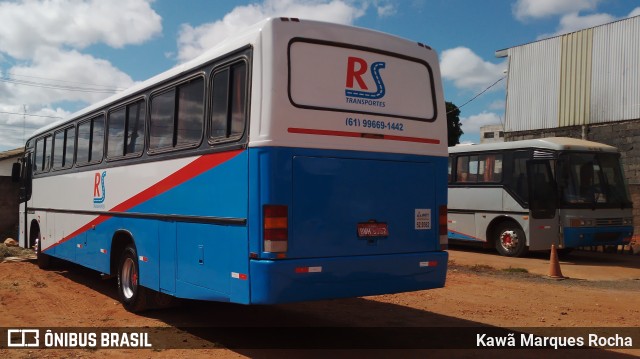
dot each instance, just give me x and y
(46, 164)
(39, 156)
(177, 116)
(228, 115)
(115, 133)
(518, 181)
(125, 131)
(63, 142)
(474, 168)
(90, 141)
(462, 172)
(492, 167)
(58, 149)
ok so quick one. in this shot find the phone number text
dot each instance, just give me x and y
(381, 125)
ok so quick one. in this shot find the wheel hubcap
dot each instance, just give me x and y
(509, 240)
(129, 278)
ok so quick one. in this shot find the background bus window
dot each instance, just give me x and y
(519, 182)
(479, 169)
(462, 171)
(492, 168)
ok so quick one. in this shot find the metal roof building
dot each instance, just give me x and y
(586, 77)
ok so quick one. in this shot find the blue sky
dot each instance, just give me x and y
(58, 56)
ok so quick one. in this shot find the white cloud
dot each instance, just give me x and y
(43, 39)
(16, 128)
(193, 41)
(471, 125)
(70, 70)
(498, 105)
(386, 10)
(575, 22)
(525, 9)
(28, 25)
(467, 70)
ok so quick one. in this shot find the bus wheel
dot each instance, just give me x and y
(132, 295)
(511, 241)
(43, 260)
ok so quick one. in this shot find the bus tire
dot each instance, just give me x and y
(510, 240)
(132, 295)
(43, 260)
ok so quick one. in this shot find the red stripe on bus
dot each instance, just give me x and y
(191, 170)
(309, 131)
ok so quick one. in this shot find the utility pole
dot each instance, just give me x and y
(24, 122)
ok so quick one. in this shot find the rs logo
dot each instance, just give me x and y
(98, 187)
(356, 68)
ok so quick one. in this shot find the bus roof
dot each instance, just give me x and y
(250, 35)
(550, 143)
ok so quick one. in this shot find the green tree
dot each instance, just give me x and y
(454, 127)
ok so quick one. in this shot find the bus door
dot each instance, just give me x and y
(543, 199)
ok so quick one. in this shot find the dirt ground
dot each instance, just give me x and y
(476, 295)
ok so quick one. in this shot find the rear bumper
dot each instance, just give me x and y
(597, 236)
(293, 280)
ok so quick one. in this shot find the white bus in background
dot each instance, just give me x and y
(527, 195)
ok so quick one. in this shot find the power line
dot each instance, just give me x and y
(59, 87)
(479, 94)
(26, 114)
(13, 75)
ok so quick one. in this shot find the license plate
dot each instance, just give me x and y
(373, 229)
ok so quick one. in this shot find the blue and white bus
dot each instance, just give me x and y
(297, 161)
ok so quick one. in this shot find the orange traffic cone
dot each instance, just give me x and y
(554, 264)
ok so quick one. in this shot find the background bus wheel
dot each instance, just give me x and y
(511, 241)
(43, 260)
(132, 295)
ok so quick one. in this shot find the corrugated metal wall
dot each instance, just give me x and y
(586, 77)
(575, 78)
(534, 70)
(616, 72)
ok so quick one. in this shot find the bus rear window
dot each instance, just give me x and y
(336, 77)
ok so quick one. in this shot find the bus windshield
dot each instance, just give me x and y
(592, 180)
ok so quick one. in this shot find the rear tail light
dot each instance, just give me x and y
(275, 228)
(442, 221)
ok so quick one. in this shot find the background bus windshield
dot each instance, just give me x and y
(592, 179)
